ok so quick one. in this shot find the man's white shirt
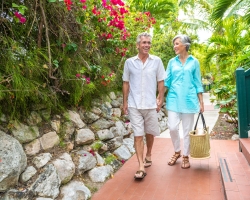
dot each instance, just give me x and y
(143, 80)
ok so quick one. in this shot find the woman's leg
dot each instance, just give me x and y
(187, 125)
(173, 126)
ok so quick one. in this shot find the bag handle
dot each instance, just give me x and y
(203, 121)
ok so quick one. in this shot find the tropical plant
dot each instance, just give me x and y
(163, 11)
(228, 50)
(227, 8)
(46, 45)
(229, 47)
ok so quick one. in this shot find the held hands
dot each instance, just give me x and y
(159, 103)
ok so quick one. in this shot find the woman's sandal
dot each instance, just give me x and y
(185, 162)
(174, 158)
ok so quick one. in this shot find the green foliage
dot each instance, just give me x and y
(96, 145)
(228, 8)
(228, 50)
(226, 101)
(162, 46)
(41, 57)
(162, 10)
(109, 159)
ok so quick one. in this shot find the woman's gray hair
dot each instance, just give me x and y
(145, 34)
(184, 40)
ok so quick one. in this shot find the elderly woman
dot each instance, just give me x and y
(184, 97)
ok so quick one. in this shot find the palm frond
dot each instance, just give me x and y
(247, 16)
(223, 6)
(195, 24)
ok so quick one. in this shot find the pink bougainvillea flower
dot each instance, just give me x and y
(123, 11)
(147, 13)
(22, 20)
(78, 75)
(153, 20)
(109, 36)
(123, 161)
(117, 2)
(92, 152)
(104, 3)
(18, 15)
(95, 11)
(113, 13)
(87, 80)
(111, 74)
(68, 4)
(85, 155)
(82, 1)
(84, 7)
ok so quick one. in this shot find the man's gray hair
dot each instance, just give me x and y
(145, 34)
(184, 40)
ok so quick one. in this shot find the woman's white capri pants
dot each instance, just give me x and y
(174, 120)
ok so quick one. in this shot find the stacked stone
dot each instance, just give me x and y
(28, 158)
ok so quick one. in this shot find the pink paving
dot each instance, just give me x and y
(203, 181)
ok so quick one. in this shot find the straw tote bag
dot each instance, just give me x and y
(200, 141)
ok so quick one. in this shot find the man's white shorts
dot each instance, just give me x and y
(144, 121)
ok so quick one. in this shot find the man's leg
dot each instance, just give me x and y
(137, 123)
(152, 130)
(139, 147)
(150, 142)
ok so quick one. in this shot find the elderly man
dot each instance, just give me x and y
(142, 74)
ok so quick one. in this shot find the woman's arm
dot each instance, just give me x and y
(201, 102)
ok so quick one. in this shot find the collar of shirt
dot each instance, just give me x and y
(189, 57)
(149, 56)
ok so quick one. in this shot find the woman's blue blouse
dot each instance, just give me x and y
(183, 83)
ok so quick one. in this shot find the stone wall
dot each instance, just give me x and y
(42, 157)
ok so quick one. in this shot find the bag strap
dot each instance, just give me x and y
(203, 121)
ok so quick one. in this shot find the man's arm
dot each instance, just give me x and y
(125, 90)
(160, 97)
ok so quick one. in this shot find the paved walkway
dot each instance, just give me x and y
(163, 182)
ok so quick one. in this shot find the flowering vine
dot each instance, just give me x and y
(107, 79)
(84, 78)
(19, 16)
